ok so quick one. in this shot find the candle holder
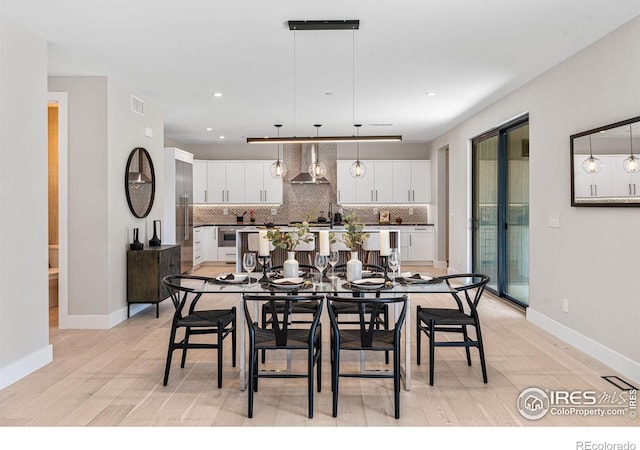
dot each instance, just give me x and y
(264, 278)
(385, 265)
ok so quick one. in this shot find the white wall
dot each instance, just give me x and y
(593, 259)
(102, 132)
(24, 304)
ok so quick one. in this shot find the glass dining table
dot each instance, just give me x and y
(337, 285)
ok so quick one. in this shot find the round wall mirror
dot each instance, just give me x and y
(140, 182)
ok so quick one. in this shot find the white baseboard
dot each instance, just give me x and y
(439, 264)
(24, 366)
(607, 356)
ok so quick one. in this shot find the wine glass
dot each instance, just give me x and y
(321, 264)
(394, 261)
(334, 256)
(249, 263)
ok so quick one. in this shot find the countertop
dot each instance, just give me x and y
(243, 225)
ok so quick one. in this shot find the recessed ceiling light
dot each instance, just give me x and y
(217, 94)
(430, 94)
(209, 129)
(221, 137)
(328, 93)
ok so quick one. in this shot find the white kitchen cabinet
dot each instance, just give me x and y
(227, 254)
(199, 181)
(623, 184)
(386, 182)
(209, 243)
(411, 182)
(346, 191)
(592, 185)
(374, 187)
(197, 246)
(225, 182)
(260, 186)
(419, 244)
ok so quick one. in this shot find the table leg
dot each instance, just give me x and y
(405, 372)
(241, 323)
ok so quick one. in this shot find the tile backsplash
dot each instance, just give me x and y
(306, 201)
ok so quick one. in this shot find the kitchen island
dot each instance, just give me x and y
(278, 256)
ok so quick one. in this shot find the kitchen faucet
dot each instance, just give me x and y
(330, 216)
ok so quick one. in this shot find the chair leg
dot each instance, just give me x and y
(396, 381)
(336, 378)
(233, 339)
(172, 338)
(418, 335)
(310, 360)
(319, 360)
(386, 327)
(466, 340)
(252, 362)
(185, 344)
(264, 325)
(220, 337)
(432, 349)
(481, 351)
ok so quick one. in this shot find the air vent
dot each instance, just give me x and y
(137, 105)
(380, 124)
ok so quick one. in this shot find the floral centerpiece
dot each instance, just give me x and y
(354, 234)
(353, 238)
(288, 240)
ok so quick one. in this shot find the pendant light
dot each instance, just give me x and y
(591, 164)
(632, 163)
(317, 169)
(358, 169)
(278, 168)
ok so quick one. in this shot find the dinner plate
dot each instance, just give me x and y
(369, 283)
(422, 279)
(237, 278)
(288, 282)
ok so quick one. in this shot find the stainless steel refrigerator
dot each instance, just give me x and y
(184, 213)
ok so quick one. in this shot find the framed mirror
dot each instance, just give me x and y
(140, 182)
(605, 165)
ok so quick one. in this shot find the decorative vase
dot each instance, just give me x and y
(155, 240)
(291, 266)
(354, 268)
(136, 244)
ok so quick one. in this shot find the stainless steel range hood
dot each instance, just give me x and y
(309, 156)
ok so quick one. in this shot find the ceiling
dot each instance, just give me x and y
(177, 54)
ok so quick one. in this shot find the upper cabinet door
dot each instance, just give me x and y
(216, 182)
(346, 183)
(366, 186)
(253, 182)
(199, 181)
(421, 181)
(235, 182)
(272, 187)
(402, 182)
(383, 190)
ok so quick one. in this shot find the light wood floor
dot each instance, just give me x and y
(114, 378)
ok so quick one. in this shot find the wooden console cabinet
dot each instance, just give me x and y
(145, 270)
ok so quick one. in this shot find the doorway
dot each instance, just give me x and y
(59, 232)
(500, 197)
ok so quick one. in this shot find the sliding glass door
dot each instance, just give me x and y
(501, 209)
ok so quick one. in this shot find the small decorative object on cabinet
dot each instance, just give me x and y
(145, 271)
(136, 244)
(155, 240)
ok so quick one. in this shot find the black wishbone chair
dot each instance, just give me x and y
(218, 322)
(432, 321)
(281, 334)
(301, 312)
(367, 336)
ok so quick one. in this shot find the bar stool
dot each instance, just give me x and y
(371, 244)
(307, 247)
(253, 244)
(341, 247)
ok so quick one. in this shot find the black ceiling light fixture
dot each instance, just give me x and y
(303, 25)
